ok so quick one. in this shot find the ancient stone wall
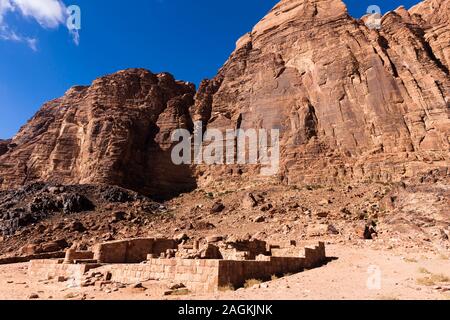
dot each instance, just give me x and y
(210, 275)
(47, 269)
(197, 275)
(203, 275)
(131, 251)
(235, 273)
(314, 255)
(251, 248)
(73, 255)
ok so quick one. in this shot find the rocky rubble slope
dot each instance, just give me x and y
(412, 215)
(41, 215)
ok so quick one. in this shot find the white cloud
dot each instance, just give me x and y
(75, 36)
(5, 6)
(32, 43)
(48, 14)
(9, 35)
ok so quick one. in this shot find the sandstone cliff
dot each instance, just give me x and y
(351, 104)
(115, 131)
(434, 17)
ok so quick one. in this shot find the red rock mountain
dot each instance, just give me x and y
(351, 103)
(116, 131)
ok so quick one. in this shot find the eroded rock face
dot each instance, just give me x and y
(434, 17)
(351, 103)
(116, 131)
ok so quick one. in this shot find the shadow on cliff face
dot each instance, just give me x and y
(4, 146)
(157, 176)
(167, 180)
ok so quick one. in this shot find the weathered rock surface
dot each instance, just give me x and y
(116, 131)
(36, 202)
(351, 102)
(434, 18)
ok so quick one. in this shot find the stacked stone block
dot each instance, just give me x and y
(202, 275)
(131, 251)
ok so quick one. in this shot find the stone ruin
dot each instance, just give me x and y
(200, 268)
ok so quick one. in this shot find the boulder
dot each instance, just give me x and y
(74, 203)
(217, 207)
(30, 249)
(365, 231)
(118, 216)
(249, 201)
(77, 226)
(259, 219)
(181, 237)
(54, 246)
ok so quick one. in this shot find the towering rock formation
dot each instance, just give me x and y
(350, 103)
(116, 131)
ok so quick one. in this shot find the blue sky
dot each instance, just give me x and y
(39, 59)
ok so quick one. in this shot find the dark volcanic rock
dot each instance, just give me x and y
(33, 203)
(115, 194)
(73, 203)
(45, 203)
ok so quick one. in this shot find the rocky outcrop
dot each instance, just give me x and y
(434, 18)
(35, 202)
(115, 131)
(350, 102)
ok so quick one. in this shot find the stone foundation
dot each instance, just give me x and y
(198, 275)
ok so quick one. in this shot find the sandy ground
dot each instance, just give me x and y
(359, 272)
